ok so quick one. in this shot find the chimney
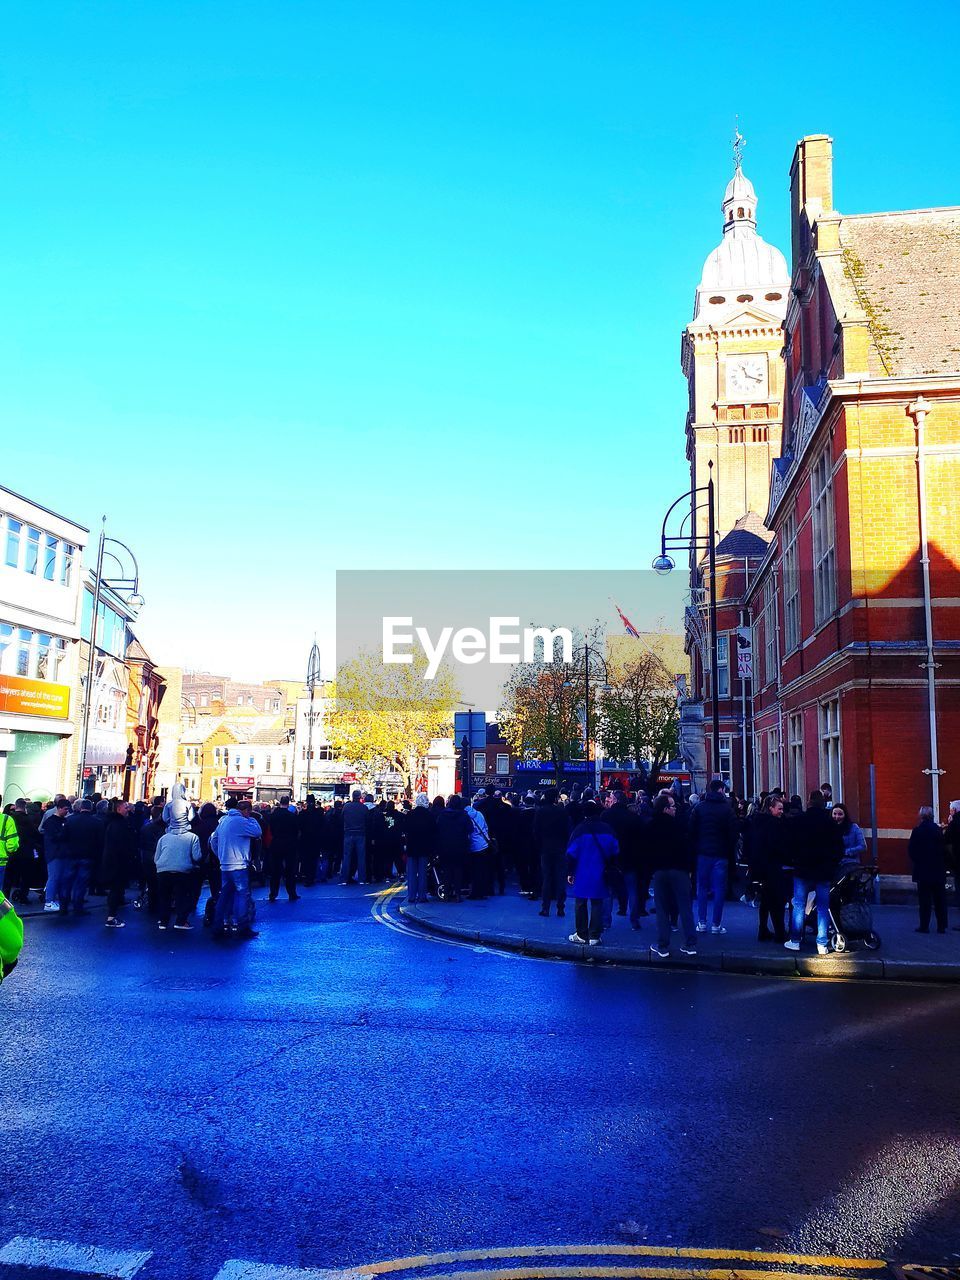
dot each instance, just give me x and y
(811, 190)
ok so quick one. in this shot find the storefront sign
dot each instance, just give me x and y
(22, 697)
(238, 782)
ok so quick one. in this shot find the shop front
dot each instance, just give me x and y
(34, 724)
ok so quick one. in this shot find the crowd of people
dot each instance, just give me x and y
(605, 851)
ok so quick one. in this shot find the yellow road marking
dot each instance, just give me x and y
(624, 1273)
(616, 1250)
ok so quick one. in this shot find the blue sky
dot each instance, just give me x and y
(291, 287)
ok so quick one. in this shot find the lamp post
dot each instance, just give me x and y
(664, 564)
(313, 679)
(121, 585)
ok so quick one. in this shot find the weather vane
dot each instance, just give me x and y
(739, 142)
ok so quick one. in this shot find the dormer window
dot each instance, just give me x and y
(773, 297)
(717, 299)
(745, 297)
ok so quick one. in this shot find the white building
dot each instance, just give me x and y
(40, 582)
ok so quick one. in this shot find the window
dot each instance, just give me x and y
(32, 557)
(791, 584)
(49, 557)
(503, 762)
(824, 552)
(830, 744)
(724, 769)
(773, 759)
(268, 765)
(251, 764)
(283, 764)
(66, 566)
(24, 646)
(796, 755)
(479, 762)
(203, 700)
(723, 666)
(13, 543)
(770, 663)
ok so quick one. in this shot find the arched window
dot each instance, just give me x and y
(739, 213)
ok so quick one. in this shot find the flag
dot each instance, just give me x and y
(628, 626)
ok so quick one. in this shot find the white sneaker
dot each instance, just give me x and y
(688, 951)
(575, 937)
(792, 946)
(51, 906)
(595, 942)
(664, 955)
(822, 950)
(701, 926)
(717, 928)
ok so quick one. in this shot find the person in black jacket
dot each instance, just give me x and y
(816, 856)
(669, 854)
(453, 845)
(551, 831)
(420, 832)
(310, 821)
(768, 856)
(713, 833)
(147, 842)
(628, 827)
(928, 858)
(84, 845)
(284, 850)
(119, 859)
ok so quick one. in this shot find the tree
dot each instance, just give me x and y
(638, 711)
(385, 715)
(541, 710)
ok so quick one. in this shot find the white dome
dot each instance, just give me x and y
(744, 260)
(739, 188)
(743, 266)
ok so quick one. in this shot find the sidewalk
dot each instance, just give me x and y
(513, 923)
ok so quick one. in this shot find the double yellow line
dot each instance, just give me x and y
(587, 1271)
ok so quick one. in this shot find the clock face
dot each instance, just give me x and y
(747, 377)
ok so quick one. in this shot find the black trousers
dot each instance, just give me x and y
(554, 869)
(479, 873)
(594, 928)
(933, 896)
(115, 891)
(773, 904)
(284, 863)
(174, 893)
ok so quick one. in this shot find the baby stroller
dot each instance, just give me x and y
(850, 916)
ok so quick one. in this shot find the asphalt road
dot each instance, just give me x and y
(338, 1092)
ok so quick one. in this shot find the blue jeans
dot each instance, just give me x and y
(74, 879)
(711, 872)
(54, 877)
(416, 879)
(354, 844)
(232, 905)
(801, 888)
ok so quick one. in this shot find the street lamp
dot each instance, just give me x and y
(663, 565)
(313, 679)
(126, 585)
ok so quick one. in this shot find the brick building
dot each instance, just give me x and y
(855, 606)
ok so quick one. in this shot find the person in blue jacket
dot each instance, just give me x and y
(590, 853)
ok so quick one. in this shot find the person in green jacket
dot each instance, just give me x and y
(11, 937)
(11, 926)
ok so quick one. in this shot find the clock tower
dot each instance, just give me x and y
(731, 358)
